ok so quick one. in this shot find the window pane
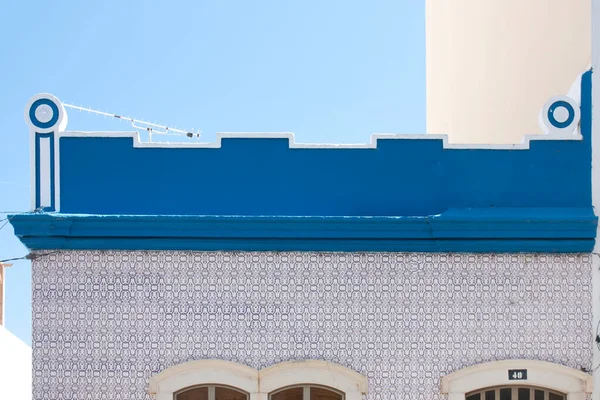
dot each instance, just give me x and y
(200, 393)
(289, 394)
(539, 395)
(222, 393)
(506, 394)
(524, 394)
(323, 394)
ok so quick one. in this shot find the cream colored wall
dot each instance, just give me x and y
(492, 64)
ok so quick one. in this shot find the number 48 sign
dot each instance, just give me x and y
(517, 374)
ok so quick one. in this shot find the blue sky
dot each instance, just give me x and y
(330, 71)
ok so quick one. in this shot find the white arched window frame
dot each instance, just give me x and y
(258, 384)
(572, 382)
(204, 372)
(318, 373)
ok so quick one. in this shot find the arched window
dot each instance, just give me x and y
(306, 392)
(211, 392)
(225, 380)
(493, 381)
(515, 393)
(205, 380)
(315, 380)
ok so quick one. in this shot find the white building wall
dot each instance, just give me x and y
(105, 322)
(493, 64)
(15, 367)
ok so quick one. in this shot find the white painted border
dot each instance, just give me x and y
(574, 96)
(576, 384)
(258, 384)
(45, 181)
(57, 128)
(571, 129)
(61, 122)
(524, 145)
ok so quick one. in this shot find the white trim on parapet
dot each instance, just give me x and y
(524, 145)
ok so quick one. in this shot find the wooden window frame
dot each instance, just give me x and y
(515, 392)
(211, 390)
(306, 388)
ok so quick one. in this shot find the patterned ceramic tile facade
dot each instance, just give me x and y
(104, 322)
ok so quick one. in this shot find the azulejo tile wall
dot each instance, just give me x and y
(104, 322)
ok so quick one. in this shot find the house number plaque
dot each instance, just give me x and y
(517, 374)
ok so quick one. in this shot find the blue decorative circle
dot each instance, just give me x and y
(37, 122)
(568, 107)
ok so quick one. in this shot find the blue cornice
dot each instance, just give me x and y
(457, 230)
(266, 192)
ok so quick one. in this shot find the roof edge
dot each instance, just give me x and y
(456, 230)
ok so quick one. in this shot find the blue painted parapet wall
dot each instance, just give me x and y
(538, 191)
